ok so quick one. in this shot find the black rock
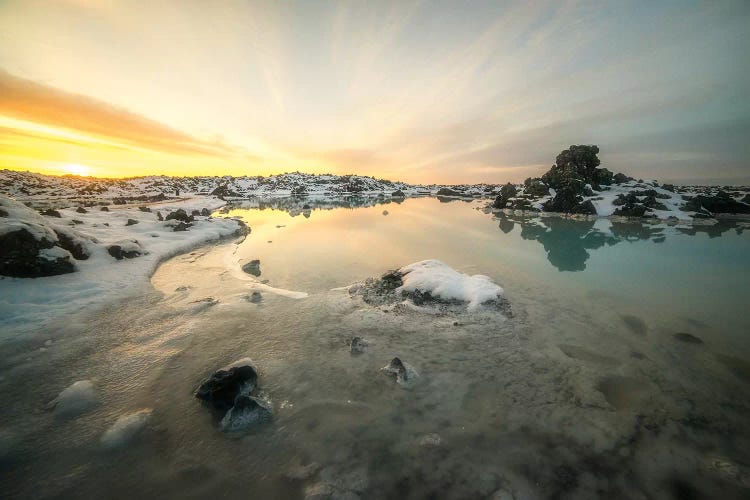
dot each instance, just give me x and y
(104, 209)
(144, 209)
(51, 213)
(118, 253)
(81, 210)
(252, 267)
(19, 256)
(449, 192)
(179, 215)
(247, 412)
(131, 222)
(222, 388)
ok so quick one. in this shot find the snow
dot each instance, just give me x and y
(441, 281)
(28, 305)
(125, 429)
(75, 399)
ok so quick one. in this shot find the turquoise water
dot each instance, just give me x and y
(622, 372)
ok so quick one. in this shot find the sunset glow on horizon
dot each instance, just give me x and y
(432, 92)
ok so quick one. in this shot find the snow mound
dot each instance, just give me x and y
(75, 399)
(125, 429)
(443, 282)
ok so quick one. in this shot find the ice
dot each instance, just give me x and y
(125, 429)
(441, 281)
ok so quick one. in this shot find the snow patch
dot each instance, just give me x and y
(441, 281)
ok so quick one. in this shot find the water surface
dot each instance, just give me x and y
(622, 373)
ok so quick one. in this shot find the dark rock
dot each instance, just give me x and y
(179, 215)
(449, 192)
(398, 194)
(104, 209)
(51, 213)
(119, 253)
(181, 226)
(620, 178)
(357, 345)
(687, 338)
(224, 386)
(81, 210)
(507, 192)
(205, 212)
(252, 267)
(72, 244)
(131, 222)
(247, 412)
(567, 200)
(19, 256)
(144, 209)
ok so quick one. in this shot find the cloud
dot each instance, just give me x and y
(30, 101)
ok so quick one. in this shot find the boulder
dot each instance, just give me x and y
(125, 249)
(252, 267)
(24, 255)
(179, 215)
(222, 388)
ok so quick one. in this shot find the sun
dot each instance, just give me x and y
(76, 169)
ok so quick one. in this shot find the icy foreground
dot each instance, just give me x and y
(106, 254)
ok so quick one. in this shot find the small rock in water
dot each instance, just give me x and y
(246, 412)
(404, 373)
(222, 388)
(75, 399)
(358, 345)
(252, 267)
(687, 338)
(125, 429)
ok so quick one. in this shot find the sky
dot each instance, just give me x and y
(420, 91)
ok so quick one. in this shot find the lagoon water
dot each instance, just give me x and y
(623, 371)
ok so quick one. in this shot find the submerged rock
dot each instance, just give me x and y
(246, 412)
(252, 267)
(75, 399)
(358, 345)
(222, 388)
(125, 429)
(404, 374)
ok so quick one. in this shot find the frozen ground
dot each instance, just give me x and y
(31, 304)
